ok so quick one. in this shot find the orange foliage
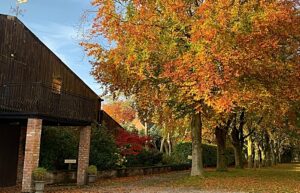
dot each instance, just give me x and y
(223, 53)
(120, 111)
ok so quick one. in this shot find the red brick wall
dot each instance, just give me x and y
(83, 154)
(32, 152)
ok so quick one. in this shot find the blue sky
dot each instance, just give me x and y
(55, 23)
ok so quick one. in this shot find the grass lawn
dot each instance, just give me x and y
(281, 178)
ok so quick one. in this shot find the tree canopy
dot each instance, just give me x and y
(227, 53)
(212, 58)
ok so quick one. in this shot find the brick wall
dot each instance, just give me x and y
(32, 152)
(83, 154)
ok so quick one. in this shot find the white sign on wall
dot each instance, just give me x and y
(70, 161)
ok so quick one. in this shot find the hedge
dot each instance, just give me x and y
(60, 143)
(104, 152)
(183, 150)
(145, 158)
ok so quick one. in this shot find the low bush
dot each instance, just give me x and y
(92, 170)
(169, 160)
(39, 174)
(150, 157)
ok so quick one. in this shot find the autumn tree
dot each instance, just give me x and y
(198, 55)
(172, 128)
(130, 143)
(121, 111)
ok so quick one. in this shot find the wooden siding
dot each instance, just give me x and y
(27, 69)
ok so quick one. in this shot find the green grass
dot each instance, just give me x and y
(284, 178)
(281, 178)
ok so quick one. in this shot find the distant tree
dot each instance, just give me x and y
(121, 111)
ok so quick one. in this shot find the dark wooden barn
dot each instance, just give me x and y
(37, 89)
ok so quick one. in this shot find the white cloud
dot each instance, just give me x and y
(56, 36)
(54, 30)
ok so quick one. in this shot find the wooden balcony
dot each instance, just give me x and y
(37, 99)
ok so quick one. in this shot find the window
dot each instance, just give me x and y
(56, 85)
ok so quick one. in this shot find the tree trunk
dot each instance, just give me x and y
(238, 151)
(268, 158)
(162, 145)
(169, 145)
(256, 156)
(263, 157)
(146, 134)
(221, 148)
(196, 127)
(166, 148)
(146, 129)
(237, 137)
(238, 156)
(273, 157)
(249, 152)
(259, 157)
(277, 153)
(267, 150)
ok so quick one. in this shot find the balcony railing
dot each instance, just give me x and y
(40, 99)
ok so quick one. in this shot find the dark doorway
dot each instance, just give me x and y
(9, 143)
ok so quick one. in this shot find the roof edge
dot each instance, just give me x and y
(14, 18)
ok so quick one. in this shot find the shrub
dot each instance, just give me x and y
(39, 174)
(130, 143)
(104, 151)
(144, 158)
(181, 152)
(92, 170)
(58, 144)
(169, 160)
(209, 155)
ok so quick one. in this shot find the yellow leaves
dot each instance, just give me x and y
(224, 52)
